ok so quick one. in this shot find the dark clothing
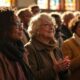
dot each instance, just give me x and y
(66, 32)
(40, 60)
(13, 61)
(26, 33)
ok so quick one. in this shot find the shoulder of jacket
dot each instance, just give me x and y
(68, 40)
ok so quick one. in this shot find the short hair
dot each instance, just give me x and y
(74, 23)
(33, 7)
(35, 23)
(57, 17)
(20, 12)
(67, 16)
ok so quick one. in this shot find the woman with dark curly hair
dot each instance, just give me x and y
(13, 56)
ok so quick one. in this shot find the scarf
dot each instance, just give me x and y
(14, 51)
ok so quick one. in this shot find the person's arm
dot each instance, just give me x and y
(68, 51)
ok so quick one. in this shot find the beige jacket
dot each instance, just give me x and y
(71, 47)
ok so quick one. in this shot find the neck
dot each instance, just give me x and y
(45, 40)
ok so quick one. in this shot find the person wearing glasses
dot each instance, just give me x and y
(71, 47)
(45, 59)
(13, 55)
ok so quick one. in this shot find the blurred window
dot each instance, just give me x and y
(43, 4)
(70, 4)
(55, 4)
(51, 4)
(5, 3)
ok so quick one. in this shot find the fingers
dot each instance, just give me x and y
(63, 64)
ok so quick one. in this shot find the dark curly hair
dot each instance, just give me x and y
(6, 20)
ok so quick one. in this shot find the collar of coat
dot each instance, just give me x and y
(39, 45)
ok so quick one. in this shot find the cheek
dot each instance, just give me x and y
(16, 34)
(46, 33)
(42, 32)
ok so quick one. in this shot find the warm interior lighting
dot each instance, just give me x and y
(5, 3)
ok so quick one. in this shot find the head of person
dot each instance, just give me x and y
(66, 17)
(34, 9)
(25, 15)
(57, 17)
(10, 25)
(42, 26)
(74, 25)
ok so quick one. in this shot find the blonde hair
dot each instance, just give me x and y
(35, 23)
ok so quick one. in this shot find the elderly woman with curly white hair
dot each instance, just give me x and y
(44, 57)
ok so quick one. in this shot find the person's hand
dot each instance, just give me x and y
(62, 64)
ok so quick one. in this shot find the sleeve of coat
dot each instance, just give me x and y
(66, 50)
(75, 60)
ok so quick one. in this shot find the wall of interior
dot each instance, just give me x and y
(24, 3)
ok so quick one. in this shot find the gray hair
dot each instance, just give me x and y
(35, 23)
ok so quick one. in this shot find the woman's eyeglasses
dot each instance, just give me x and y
(18, 25)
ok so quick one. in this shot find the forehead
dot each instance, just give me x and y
(46, 20)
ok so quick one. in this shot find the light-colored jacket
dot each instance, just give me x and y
(71, 47)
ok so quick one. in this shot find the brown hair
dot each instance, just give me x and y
(74, 23)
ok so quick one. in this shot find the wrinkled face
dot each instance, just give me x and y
(78, 30)
(46, 29)
(17, 29)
